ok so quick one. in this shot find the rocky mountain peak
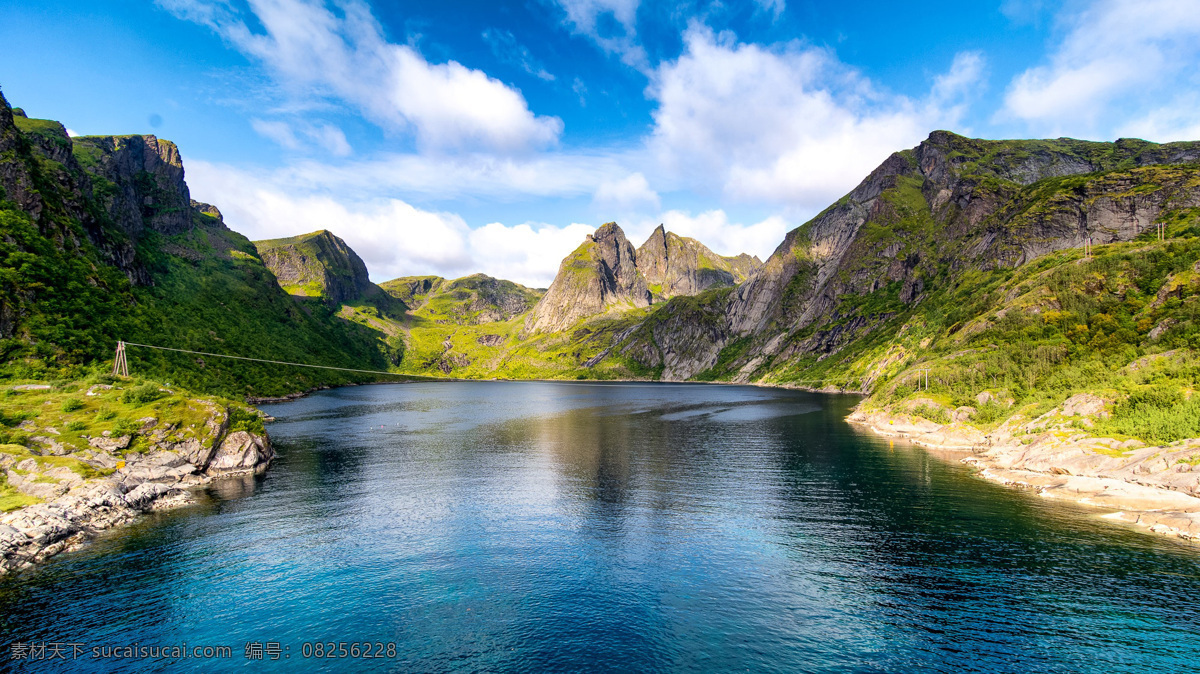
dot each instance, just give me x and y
(318, 264)
(677, 265)
(139, 180)
(600, 274)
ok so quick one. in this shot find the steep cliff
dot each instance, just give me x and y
(676, 265)
(100, 241)
(600, 274)
(927, 218)
(318, 264)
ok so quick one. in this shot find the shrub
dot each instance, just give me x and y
(140, 395)
(125, 427)
(75, 426)
(938, 415)
(242, 419)
(72, 404)
(105, 414)
(1158, 414)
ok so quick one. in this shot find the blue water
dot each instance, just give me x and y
(537, 527)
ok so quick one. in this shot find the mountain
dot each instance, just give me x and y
(100, 241)
(676, 265)
(962, 263)
(600, 274)
(316, 265)
(471, 300)
(929, 218)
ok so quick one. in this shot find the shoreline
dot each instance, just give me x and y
(289, 397)
(1154, 488)
(74, 509)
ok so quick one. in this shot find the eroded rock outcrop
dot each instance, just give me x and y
(122, 484)
(599, 274)
(677, 265)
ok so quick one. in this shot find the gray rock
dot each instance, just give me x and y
(241, 453)
(110, 444)
(600, 274)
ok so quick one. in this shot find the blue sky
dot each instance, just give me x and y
(455, 137)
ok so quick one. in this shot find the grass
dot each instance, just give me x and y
(115, 411)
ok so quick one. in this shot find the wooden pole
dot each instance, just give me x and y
(120, 364)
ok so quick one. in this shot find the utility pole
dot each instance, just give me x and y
(923, 385)
(120, 364)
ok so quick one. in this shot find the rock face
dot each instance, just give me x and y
(928, 215)
(139, 181)
(133, 183)
(317, 265)
(600, 274)
(676, 265)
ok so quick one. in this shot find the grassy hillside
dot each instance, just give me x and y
(473, 327)
(82, 265)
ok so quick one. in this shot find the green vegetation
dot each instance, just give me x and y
(79, 410)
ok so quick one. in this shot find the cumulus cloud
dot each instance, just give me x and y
(788, 124)
(393, 237)
(1115, 58)
(611, 24)
(627, 195)
(313, 50)
(527, 253)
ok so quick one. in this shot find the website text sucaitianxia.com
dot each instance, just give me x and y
(252, 650)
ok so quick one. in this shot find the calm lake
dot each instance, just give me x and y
(533, 527)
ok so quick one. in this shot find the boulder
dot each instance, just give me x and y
(241, 452)
(1084, 405)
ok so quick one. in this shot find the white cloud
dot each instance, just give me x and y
(788, 124)
(326, 136)
(629, 194)
(775, 7)
(442, 177)
(527, 253)
(1117, 57)
(713, 229)
(611, 24)
(506, 49)
(280, 132)
(314, 51)
(331, 138)
(393, 237)
(1178, 120)
(72, 132)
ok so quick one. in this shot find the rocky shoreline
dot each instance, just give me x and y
(127, 484)
(1154, 487)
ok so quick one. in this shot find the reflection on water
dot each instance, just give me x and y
(617, 527)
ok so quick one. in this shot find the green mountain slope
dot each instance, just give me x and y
(100, 242)
(966, 257)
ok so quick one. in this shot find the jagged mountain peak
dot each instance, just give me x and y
(598, 275)
(679, 265)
